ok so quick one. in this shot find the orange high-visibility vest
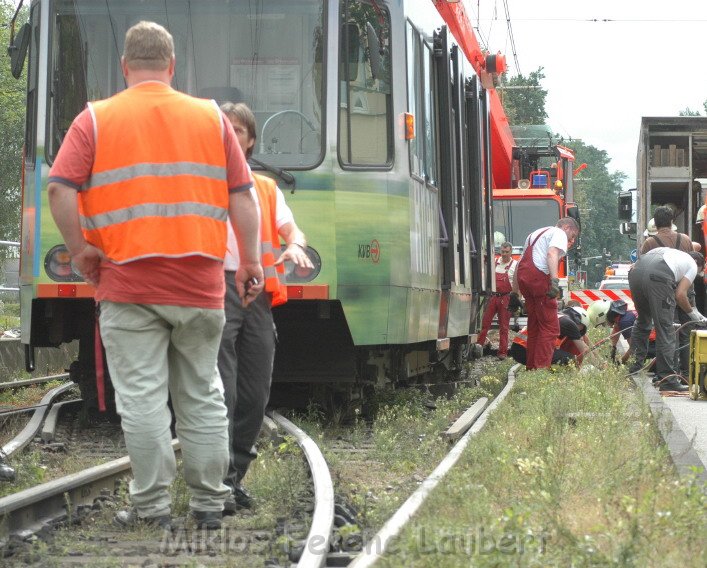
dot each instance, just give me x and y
(521, 339)
(158, 184)
(270, 240)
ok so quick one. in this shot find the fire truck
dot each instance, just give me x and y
(541, 192)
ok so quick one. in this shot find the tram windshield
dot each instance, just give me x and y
(515, 219)
(267, 54)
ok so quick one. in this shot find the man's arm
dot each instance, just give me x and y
(553, 260)
(681, 295)
(63, 202)
(244, 219)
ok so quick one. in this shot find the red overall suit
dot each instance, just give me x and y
(498, 305)
(543, 327)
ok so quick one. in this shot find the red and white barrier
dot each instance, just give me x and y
(586, 297)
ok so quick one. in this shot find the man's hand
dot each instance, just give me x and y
(296, 254)
(696, 316)
(252, 272)
(554, 289)
(88, 264)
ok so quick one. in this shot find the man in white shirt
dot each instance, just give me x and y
(537, 280)
(659, 281)
(498, 300)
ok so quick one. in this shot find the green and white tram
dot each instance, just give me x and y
(372, 121)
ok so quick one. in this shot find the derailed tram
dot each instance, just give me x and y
(371, 119)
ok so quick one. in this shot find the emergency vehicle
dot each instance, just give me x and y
(542, 192)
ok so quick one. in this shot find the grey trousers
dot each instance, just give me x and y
(682, 355)
(653, 289)
(245, 363)
(153, 350)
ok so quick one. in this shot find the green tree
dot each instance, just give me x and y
(12, 113)
(596, 194)
(689, 112)
(523, 98)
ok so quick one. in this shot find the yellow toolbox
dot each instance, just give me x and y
(698, 365)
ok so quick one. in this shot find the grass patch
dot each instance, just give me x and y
(378, 462)
(569, 471)
(27, 396)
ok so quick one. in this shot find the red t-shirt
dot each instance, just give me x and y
(193, 281)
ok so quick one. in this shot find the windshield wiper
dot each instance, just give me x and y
(285, 176)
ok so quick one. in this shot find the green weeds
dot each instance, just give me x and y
(569, 471)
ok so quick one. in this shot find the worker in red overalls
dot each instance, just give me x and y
(498, 300)
(536, 279)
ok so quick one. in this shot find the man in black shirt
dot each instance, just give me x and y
(570, 345)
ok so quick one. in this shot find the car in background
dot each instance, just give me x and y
(614, 284)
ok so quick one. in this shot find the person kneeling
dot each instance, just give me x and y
(571, 345)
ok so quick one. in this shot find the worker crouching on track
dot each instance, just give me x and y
(537, 280)
(617, 315)
(571, 343)
(498, 302)
(659, 280)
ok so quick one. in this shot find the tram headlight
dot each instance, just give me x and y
(58, 265)
(298, 274)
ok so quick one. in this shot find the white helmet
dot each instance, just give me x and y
(597, 312)
(650, 229)
(498, 239)
(583, 317)
(701, 214)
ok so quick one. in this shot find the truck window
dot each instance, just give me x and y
(517, 218)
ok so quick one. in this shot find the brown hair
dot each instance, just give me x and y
(148, 46)
(245, 116)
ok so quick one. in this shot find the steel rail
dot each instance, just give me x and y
(316, 546)
(375, 549)
(35, 423)
(32, 382)
(30, 510)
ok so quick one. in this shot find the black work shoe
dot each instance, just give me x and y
(238, 499)
(209, 520)
(130, 519)
(635, 367)
(671, 384)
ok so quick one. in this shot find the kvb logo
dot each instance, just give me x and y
(370, 251)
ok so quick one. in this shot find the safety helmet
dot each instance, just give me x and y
(498, 239)
(650, 228)
(701, 214)
(597, 312)
(578, 315)
(617, 308)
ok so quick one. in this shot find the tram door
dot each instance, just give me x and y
(480, 203)
(448, 237)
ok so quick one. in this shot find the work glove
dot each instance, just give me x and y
(696, 316)
(514, 303)
(554, 290)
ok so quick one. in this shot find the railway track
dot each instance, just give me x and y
(313, 537)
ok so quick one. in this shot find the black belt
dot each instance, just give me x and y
(500, 293)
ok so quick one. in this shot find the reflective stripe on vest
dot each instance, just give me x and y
(270, 240)
(521, 338)
(158, 183)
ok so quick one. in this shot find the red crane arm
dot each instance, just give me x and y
(502, 141)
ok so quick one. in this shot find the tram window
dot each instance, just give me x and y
(415, 100)
(365, 121)
(31, 108)
(269, 55)
(430, 104)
